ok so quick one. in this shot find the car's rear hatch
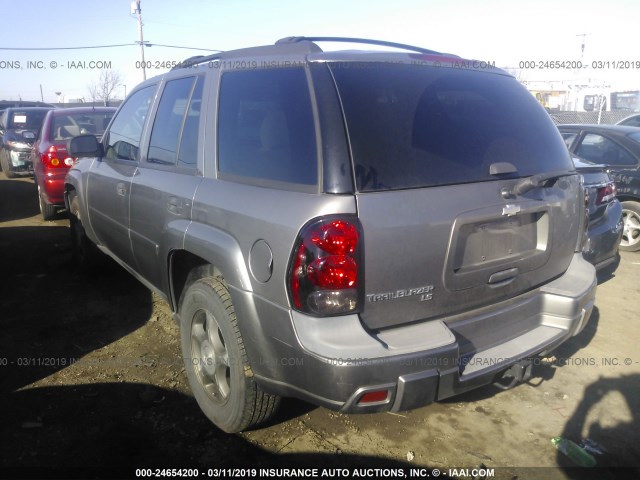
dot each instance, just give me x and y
(441, 160)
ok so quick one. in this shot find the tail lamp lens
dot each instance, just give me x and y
(337, 237)
(324, 278)
(50, 158)
(606, 193)
(333, 272)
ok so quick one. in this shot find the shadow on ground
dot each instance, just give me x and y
(19, 199)
(617, 452)
(53, 314)
(125, 426)
(609, 272)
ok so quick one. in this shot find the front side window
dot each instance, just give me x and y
(266, 127)
(176, 122)
(126, 130)
(599, 149)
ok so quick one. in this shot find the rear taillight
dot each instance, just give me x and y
(54, 158)
(325, 270)
(584, 217)
(606, 193)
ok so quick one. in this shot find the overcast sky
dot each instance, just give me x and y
(506, 32)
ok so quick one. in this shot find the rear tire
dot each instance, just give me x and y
(47, 210)
(216, 361)
(85, 253)
(631, 234)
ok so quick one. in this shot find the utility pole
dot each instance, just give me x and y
(136, 10)
(583, 35)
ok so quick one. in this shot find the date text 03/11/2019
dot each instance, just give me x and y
(579, 65)
(355, 472)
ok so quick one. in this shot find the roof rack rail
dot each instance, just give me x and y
(355, 40)
(197, 59)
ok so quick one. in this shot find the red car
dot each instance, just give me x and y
(49, 155)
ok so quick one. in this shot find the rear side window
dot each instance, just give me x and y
(599, 149)
(412, 126)
(175, 128)
(265, 126)
(632, 122)
(126, 130)
(188, 152)
(568, 138)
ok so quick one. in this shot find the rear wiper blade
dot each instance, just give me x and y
(539, 180)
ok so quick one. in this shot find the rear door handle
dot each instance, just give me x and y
(503, 277)
(121, 189)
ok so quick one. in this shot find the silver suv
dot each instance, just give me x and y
(365, 230)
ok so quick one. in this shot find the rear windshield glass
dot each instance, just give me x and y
(26, 119)
(66, 126)
(413, 126)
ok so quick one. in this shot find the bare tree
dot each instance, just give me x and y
(103, 89)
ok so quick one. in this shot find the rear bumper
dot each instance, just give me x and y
(20, 161)
(603, 237)
(334, 361)
(52, 186)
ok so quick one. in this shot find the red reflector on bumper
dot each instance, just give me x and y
(373, 397)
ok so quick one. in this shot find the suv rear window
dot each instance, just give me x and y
(31, 120)
(413, 126)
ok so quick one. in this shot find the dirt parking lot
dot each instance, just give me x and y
(91, 379)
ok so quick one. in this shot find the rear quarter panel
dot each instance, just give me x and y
(237, 216)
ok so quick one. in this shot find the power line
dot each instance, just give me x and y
(67, 48)
(108, 46)
(176, 46)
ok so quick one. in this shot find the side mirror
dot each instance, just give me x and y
(84, 146)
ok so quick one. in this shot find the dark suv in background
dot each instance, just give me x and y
(368, 231)
(18, 130)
